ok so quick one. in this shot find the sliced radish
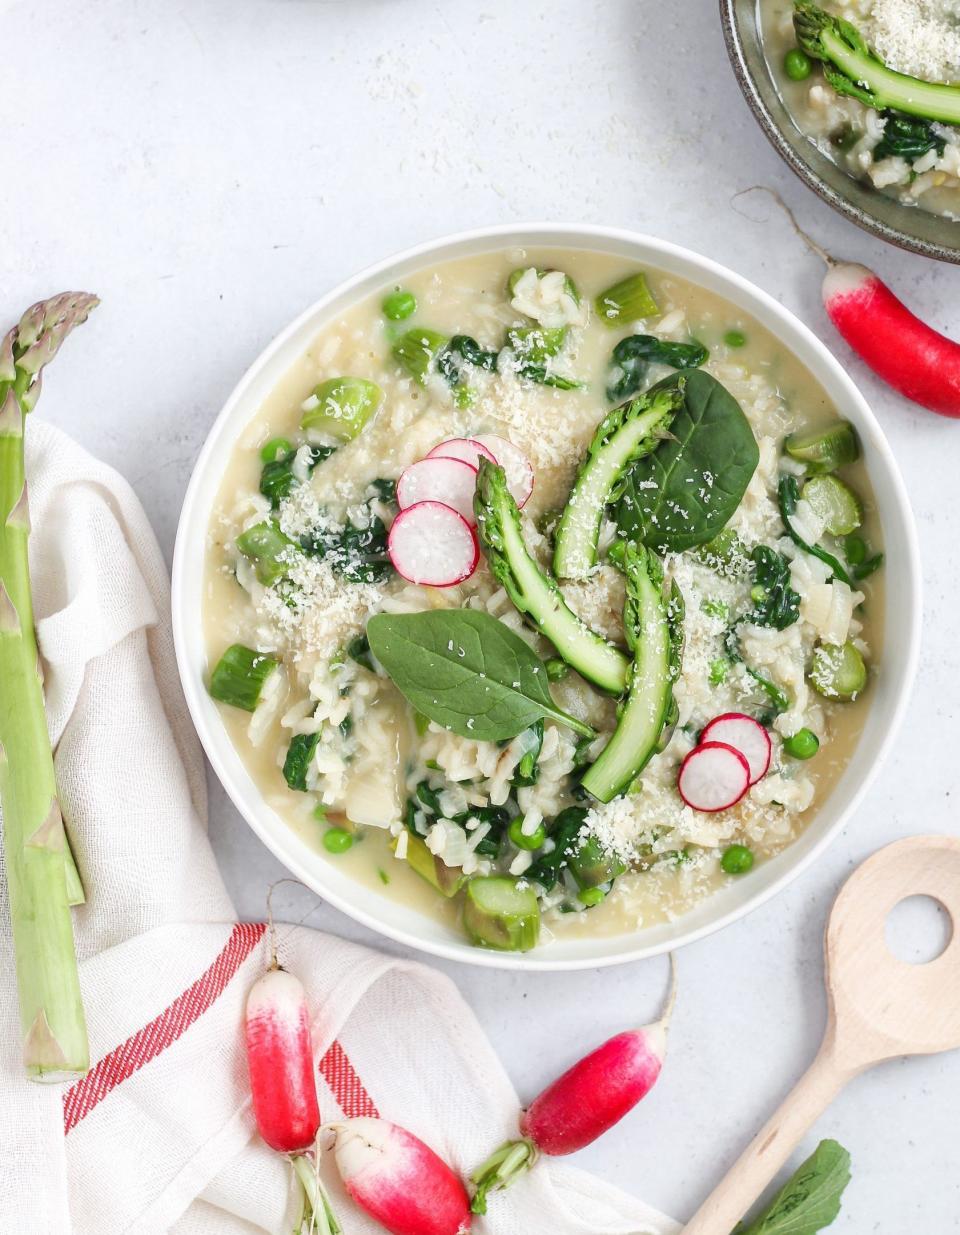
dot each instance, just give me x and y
(450, 481)
(514, 462)
(747, 736)
(431, 543)
(466, 449)
(713, 777)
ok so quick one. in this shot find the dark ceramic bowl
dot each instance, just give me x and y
(906, 226)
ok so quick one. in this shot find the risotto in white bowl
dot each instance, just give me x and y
(541, 604)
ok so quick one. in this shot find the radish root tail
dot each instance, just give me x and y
(272, 926)
(672, 994)
(807, 239)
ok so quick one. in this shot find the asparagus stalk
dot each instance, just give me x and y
(51, 1011)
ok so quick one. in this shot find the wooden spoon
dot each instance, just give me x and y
(879, 1008)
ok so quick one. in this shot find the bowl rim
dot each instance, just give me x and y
(730, 24)
(187, 631)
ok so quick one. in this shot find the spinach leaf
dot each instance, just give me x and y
(357, 554)
(788, 493)
(462, 350)
(467, 671)
(634, 354)
(910, 137)
(779, 605)
(686, 491)
(299, 753)
(277, 480)
(565, 834)
(810, 1200)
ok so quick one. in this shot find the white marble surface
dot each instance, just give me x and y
(209, 168)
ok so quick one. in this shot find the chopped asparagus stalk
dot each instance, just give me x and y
(591, 865)
(417, 352)
(300, 752)
(447, 880)
(537, 343)
(51, 1011)
(834, 503)
(627, 301)
(270, 551)
(501, 913)
(824, 450)
(341, 407)
(626, 434)
(788, 495)
(838, 672)
(239, 675)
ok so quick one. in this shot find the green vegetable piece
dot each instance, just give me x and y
(270, 551)
(855, 550)
(557, 669)
(239, 675)
(358, 649)
(797, 64)
(788, 496)
(810, 1200)
(299, 754)
(835, 503)
(537, 343)
(625, 302)
(736, 860)
(498, 913)
(447, 880)
(566, 836)
(398, 305)
(735, 338)
(724, 553)
(592, 865)
(906, 137)
(527, 771)
(824, 450)
(344, 405)
(853, 69)
(337, 840)
(719, 669)
(686, 491)
(592, 896)
(568, 284)
(838, 672)
(803, 744)
(535, 593)
(276, 448)
(633, 355)
(417, 352)
(493, 691)
(524, 840)
(657, 652)
(277, 480)
(778, 697)
(625, 435)
(776, 604)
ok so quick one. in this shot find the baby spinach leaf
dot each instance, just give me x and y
(776, 604)
(686, 491)
(467, 671)
(633, 355)
(810, 1200)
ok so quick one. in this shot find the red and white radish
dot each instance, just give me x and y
(916, 360)
(280, 1059)
(450, 481)
(713, 777)
(582, 1104)
(399, 1180)
(467, 449)
(432, 544)
(747, 736)
(516, 465)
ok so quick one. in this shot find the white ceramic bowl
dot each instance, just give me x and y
(889, 691)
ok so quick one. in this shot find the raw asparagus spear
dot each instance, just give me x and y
(51, 1011)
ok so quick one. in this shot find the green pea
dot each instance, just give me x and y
(399, 305)
(736, 860)
(803, 744)
(758, 593)
(337, 840)
(855, 547)
(557, 669)
(522, 841)
(735, 338)
(797, 64)
(592, 896)
(276, 448)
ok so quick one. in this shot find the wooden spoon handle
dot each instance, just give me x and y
(770, 1148)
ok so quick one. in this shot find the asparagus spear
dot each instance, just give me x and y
(51, 1011)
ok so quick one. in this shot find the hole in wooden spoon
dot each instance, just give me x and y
(918, 930)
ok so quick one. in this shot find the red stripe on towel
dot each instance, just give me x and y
(339, 1073)
(149, 1042)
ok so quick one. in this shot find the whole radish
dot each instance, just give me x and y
(912, 357)
(399, 1180)
(583, 1103)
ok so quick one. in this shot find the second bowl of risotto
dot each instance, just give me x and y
(531, 600)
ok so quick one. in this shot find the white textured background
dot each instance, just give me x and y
(211, 167)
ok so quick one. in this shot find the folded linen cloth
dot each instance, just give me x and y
(159, 1136)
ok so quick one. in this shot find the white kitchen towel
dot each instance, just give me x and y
(159, 1136)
